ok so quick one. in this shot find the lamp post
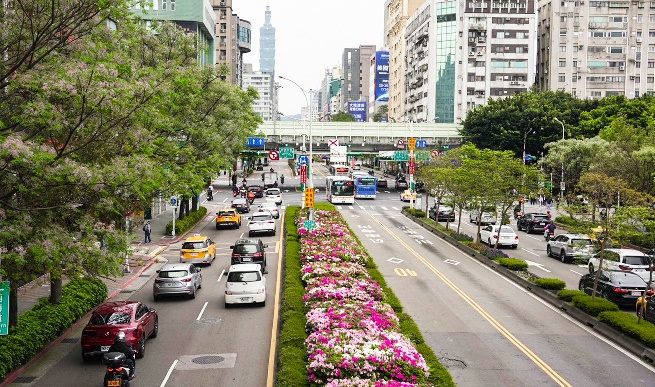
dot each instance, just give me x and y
(308, 101)
(525, 138)
(561, 184)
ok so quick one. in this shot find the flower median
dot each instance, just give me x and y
(354, 337)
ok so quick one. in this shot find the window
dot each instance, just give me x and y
(163, 5)
(562, 63)
(650, 80)
(172, 5)
(637, 79)
(562, 78)
(562, 48)
(651, 64)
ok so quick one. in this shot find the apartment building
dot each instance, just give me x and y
(233, 39)
(595, 49)
(260, 81)
(356, 74)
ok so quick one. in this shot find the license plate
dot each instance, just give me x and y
(636, 293)
(112, 383)
(247, 259)
(542, 224)
(105, 348)
(246, 299)
(170, 284)
(194, 254)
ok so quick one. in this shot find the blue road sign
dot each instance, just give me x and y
(421, 143)
(303, 160)
(173, 201)
(256, 141)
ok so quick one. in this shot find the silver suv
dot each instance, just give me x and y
(177, 279)
(567, 247)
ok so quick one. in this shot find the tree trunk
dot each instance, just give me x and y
(13, 306)
(427, 204)
(194, 203)
(459, 219)
(55, 290)
(186, 206)
(598, 269)
(477, 233)
(593, 212)
(183, 203)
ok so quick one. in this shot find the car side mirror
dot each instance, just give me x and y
(232, 247)
(198, 269)
(152, 310)
(266, 245)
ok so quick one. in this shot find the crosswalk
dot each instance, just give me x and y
(371, 208)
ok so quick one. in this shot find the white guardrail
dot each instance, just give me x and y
(360, 129)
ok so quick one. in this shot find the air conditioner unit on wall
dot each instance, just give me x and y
(621, 68)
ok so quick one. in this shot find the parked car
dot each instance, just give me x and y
(270, 207)
(445, 213)
(621, 259)
(177, 279)
(245, 284)
(622, 288)
(137, 320)
(274, 195)
(401, 183)
(567, 247)
(249, 251)
(261, 222)
(508, 237)
(407, 196)
(241, 205)
(532, 222)
(257, 189)
(228, 217)
(198, 249)
(486, 218)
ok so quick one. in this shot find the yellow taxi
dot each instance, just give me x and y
(198, 249)
(407, 196)
(228, 217)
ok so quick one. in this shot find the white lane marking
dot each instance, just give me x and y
(538, 265)
(241, 236)
(168, 374)
(529, 252)
(202, 311)
(224, 200)
(221, 276)
(350, 208)
(384, 208)
(361, 207)
(340, 207)
(533, 237)
(395, 208)
(571, 270)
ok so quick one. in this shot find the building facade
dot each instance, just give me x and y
(267, 44)
(260, 81)
(233, 39)
(355, 65)
(420, 64)
(595, 49)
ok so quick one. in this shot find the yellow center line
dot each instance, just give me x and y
(271, 352)
(499, 327)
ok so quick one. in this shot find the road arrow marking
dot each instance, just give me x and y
(538, 265)
(395, 260)
(451, 262)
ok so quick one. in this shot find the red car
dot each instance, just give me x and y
(138, 321)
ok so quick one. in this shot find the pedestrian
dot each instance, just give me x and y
(234, 179)
(147, 229)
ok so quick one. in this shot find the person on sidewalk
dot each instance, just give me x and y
(234, 179)
(147, 230)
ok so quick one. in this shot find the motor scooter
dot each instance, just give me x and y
(118, 372)
(210, 195)
(548, 235)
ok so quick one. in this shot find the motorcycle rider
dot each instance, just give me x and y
(210, 193)
(121, 346)
(549, 232)
(251, 196)
(282, 179)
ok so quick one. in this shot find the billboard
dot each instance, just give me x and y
(382, 76)
(358, 110)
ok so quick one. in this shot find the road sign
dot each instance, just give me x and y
(273, 155)
(400, 156)
(309, 225)
(421, 143)
(309, 197)
(303, 160)
(412, 143)
(400, 144)
(4, 308)
(412, 167)
(174, 201)
(256, 141)
(287, 153)
(434, 153)
(422, 155)
(562, 186)
(303, 174)
(333, 142)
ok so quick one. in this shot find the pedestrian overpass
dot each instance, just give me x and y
(358, 136)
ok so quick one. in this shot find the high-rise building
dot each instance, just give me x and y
(356, 73)
(233, 39)
(260, 81)
(395, 18)
(460, 54)
(330, 86)
(595, 49)
(267, 44)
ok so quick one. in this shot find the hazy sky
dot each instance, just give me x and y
(310, 37)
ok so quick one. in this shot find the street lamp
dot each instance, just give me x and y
(308, 101)
(561, 184)
(525, 138)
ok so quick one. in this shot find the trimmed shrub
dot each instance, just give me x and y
(462, 237)
(416, 213)
(479, 247)
(492, 253)
(181, 226)
(643, 331)
(36, 328)
(568, 294)
(325, 206)
(513, 264)
(594, 306)
(550, 283)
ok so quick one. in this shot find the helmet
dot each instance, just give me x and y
(120, 336)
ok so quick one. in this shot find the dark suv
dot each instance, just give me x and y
(532, 222)
(249, 251)
(257, 189)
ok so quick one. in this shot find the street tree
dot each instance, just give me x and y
(343, 117)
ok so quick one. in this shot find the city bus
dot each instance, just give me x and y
(366, 186)
(339, 170)
(340, 190)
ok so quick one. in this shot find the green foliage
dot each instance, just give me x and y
(513, 264)
(389, 296)
(382, 114)
(550, 283)
(325, 206)
(594, 305)
(36, 328)
(343, 117)
(181, 226)
(568, 294)
(416, 212)
(628, 324)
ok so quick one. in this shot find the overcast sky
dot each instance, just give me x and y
(310, 37)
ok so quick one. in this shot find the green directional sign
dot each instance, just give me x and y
(287, 153)
(422, 155)
(4, 308)
(400, 156)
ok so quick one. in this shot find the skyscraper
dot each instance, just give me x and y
(267, 45)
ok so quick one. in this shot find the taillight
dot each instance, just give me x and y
(159, 281)
(516, 237)
(649, 292)
(115, 370)
(258, 255)
(625, 268)
(260, 291)
(186, 280)
(228, 292)
(621, 291)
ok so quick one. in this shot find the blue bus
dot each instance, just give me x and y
(365, 187)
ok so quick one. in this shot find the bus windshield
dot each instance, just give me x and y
(368, 181)
(342, 188)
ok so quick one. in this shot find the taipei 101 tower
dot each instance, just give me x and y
(267, 45)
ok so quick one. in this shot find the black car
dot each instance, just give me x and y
(257, 189)
(532, 222)
(446, 214)
(621, 287)
(401, 184)
(241, 205)
(382, 183)
(249, 251)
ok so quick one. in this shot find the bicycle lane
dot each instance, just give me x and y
(481, 325)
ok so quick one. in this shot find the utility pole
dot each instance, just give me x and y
(561, 184)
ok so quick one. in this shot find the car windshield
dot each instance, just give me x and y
(273, 192)
(635, 260)
(268, 206)
(225, 213)
(243, 276)
(245, 249)
(193, 245)
(540, 218)
(504, 230)
(115, 318)
(173, 273)
(261, 217)
(581, 242)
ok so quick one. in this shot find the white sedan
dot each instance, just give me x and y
(270, 207)
(261, 222)
(274, 195)
(508, 237)
(245, 285)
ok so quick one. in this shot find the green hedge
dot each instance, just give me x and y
(187, 223)
(550, 283)
(643, 331)
(39, 326)
(292, 356)
(568, 294)
(594, 306)
(416, 212)
(514, 264)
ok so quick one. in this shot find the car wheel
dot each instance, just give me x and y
(562, 256)
(142, 348)
(263, 303)
(580, 286)
(227, 306)
(85, 357)
(515, 247)
(549, 253)
(489, 242)
(155, 298)
(156, 330)
(249, 233)
(529, 230)
(193, 294)
(591, 268)
(217, 227)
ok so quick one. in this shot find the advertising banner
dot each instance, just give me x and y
(338, 154)
(358, 110)
(381, 76)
